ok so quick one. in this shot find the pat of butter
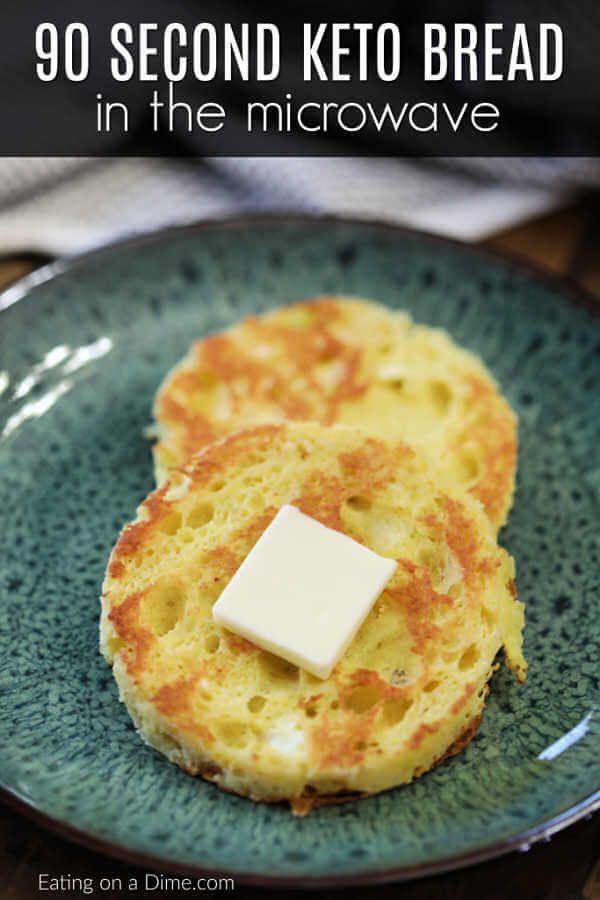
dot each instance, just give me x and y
(303, 591)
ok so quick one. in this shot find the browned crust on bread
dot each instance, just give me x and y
(462, 740)
(298, 394)
(340, 733)
(496, 432)
(301, 806)
(310, 799)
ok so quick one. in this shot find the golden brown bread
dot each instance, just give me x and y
(413, 681)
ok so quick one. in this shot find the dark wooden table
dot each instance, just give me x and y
(565, 868)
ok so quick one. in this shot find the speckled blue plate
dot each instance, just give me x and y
(83, 346)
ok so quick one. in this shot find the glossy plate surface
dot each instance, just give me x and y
(83, 346)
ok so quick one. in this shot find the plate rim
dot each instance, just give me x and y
(19, 288)
(522, 842)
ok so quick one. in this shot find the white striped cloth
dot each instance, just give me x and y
(66, 206)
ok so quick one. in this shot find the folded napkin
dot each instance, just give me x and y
(66, 206)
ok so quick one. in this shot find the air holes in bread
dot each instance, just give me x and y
(170, 524)
(361, 699)
(469, 658)
(211, 643)
(395, 709)
(234, 734)
(440, 395)
(468, 468)
(163, 607)
(200, 515)
(358, 503)
(256, 703)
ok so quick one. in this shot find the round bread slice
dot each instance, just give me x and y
(410, 688)
(349, 361)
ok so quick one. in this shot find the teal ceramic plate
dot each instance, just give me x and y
(83, 347)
